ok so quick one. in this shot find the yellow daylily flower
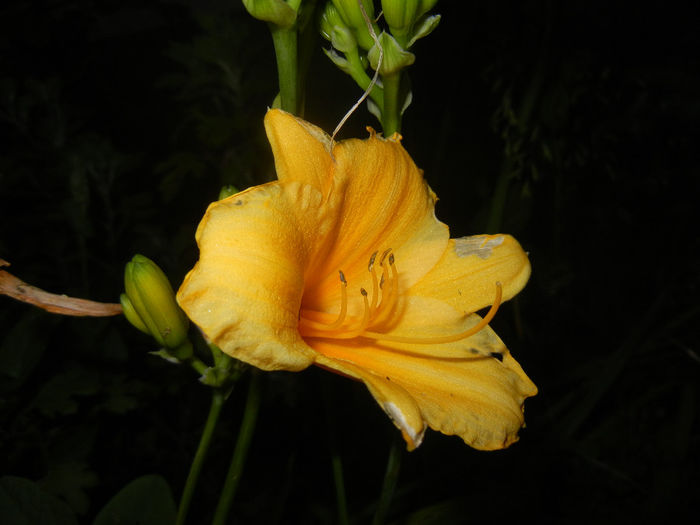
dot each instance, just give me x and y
(342, 263)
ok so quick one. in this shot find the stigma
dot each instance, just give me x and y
(379, 308)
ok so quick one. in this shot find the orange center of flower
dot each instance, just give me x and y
(379, 306)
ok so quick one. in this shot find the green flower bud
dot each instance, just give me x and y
(395, 57)
(406, 20)
(400, 15)
(330, 19)
(334, 29)
(131, 314)
(276, 12)
(152, 298)
(352, 16)
(425, 6)
(227, 191)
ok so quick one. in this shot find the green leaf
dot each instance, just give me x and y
(22, 349)
(145, 501)
(58, 395)
(22, 502)
(69, 480)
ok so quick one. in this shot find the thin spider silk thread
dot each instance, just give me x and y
(372, 82)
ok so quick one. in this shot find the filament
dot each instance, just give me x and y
(444, 338)
(378, 308)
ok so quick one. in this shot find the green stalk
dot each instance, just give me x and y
(197, 364)
(329, 401)
(499, 197)
(391, 116)
(217, 401)
(362, 79)
(391, 476)
(339, 483)
(245, 435)
(507, 174)
(285, 42)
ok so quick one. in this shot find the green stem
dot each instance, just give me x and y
(285, 42)
(498, 200)
(217, 401)
(507, 174)
(307, 40)
(329, 401)
(362, 79)
(390, 478)
(197, 364)
(245, 435)
(391, 115)
(339, 483)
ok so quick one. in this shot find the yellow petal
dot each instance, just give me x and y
(301, 150)
(245, 291)
(466, 275)
(396, 402)
(381, 201)
(457, 388)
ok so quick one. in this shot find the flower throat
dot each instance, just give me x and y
(379, 306)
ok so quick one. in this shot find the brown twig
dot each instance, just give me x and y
(54, 303)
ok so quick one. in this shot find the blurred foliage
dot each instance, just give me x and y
(120, 121)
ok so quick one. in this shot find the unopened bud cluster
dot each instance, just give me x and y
(356, 38)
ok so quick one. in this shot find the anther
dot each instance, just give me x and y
(342, 277)
(371, 261)
(391, 291)
(375, 285)
(386, 252)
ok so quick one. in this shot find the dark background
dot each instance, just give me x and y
(120, 122)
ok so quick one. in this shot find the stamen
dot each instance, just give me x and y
(446, 338)
(375, 286)
(365, 320)
(343, 309)
(377, 312)
(390, 292)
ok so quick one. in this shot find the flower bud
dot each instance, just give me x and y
(425, 6)
(400, 15)
(276, 12)
(150, 299)
(406, 19)
(131, 315)
(330, 19)
(334, 29)
(227, 191)
(352, 16)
